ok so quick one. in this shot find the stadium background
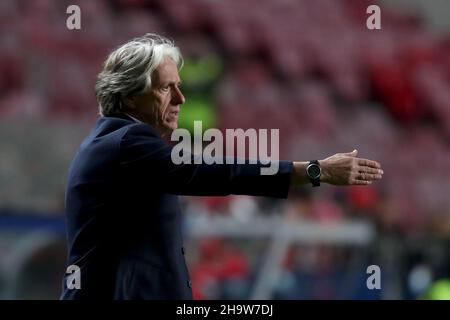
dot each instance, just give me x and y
(311, 69)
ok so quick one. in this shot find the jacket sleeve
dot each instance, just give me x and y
(145, 155)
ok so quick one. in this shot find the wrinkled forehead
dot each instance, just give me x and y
(166, 72)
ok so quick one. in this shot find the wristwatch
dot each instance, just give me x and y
(314, 171)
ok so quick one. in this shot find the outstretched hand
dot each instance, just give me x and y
(347, 169)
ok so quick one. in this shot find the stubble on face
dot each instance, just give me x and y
(160, 105)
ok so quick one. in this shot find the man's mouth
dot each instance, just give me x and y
(173, 115)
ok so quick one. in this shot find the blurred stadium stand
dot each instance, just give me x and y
(309, 68)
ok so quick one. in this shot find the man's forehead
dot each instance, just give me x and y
(167, 71)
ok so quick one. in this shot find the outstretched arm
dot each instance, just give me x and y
(146, 157)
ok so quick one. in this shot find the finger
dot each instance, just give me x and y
(369, 170)
(369, 163)
(368, 176)
(362, 182)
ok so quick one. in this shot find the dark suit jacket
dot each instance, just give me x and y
(123, 219)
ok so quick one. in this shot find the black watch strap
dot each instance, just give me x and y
(314, 181)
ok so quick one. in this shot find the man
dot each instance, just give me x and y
(123, 218)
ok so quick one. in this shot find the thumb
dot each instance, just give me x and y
(354, 153)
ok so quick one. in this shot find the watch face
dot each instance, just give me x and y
(313, 171)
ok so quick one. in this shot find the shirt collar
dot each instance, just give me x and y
(136, 120)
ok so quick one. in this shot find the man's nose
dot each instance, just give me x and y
(177, 97)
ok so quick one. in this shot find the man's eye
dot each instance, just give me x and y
(165, 88)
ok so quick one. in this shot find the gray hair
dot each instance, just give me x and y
(127, 70)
